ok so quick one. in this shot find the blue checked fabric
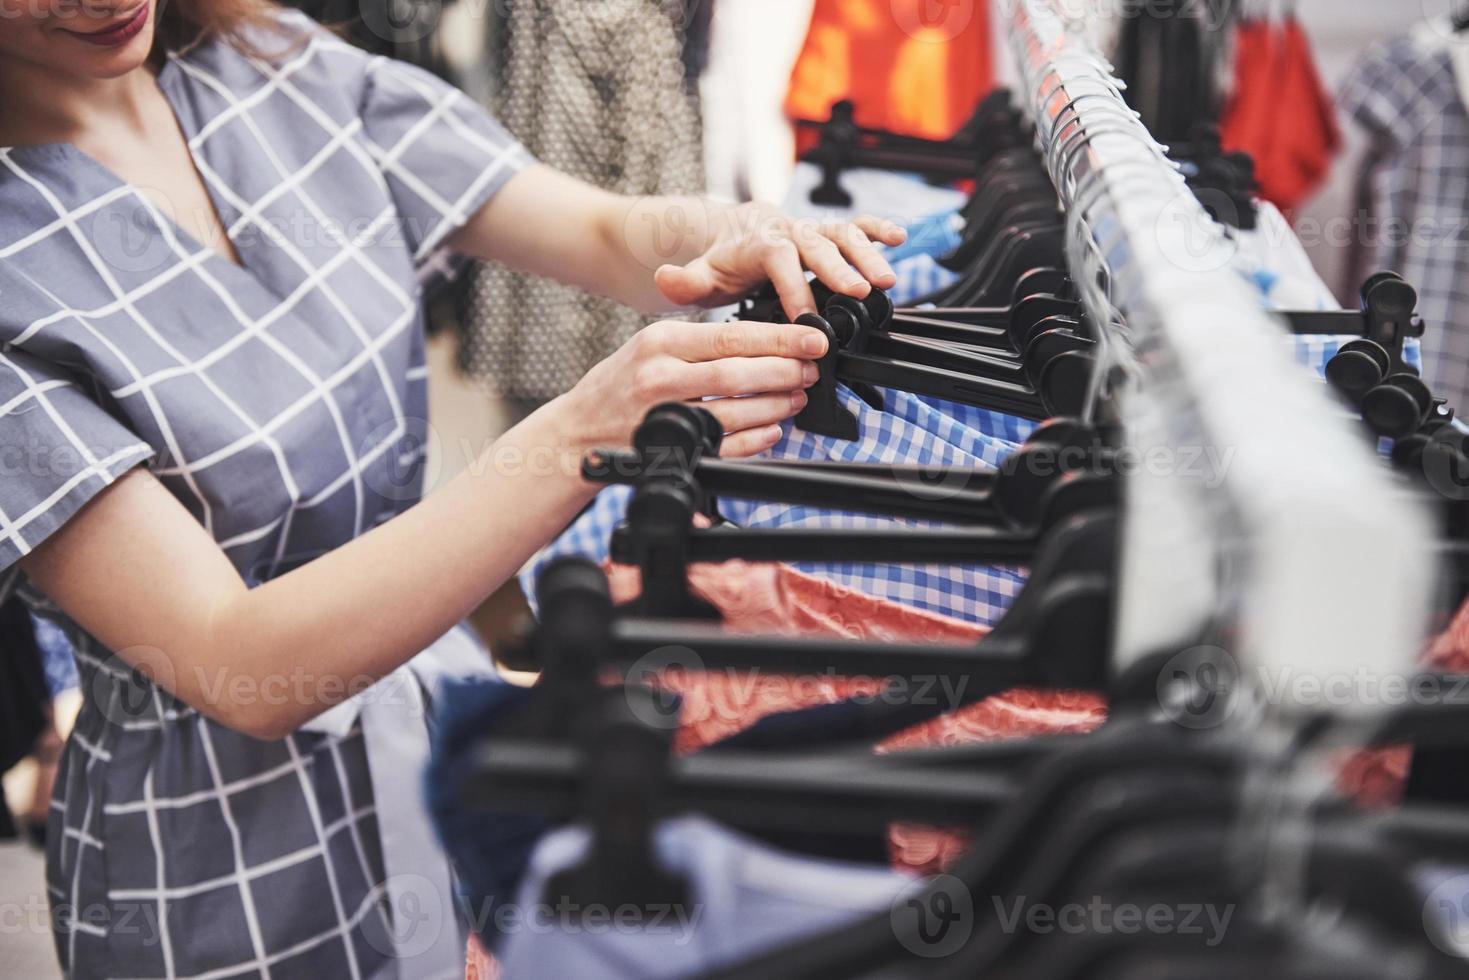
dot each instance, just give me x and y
(907, 431)
(915, 262)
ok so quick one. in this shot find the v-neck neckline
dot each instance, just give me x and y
(165, 224)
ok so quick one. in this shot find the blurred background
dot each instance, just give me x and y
(724, 97)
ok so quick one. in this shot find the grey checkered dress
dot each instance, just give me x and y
(1409, 94)
(283, 403)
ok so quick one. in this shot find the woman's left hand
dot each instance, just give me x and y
(755, 242)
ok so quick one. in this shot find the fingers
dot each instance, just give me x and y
(858, 249)
(735, 376)
(823, 257)
(781, 263)
(750, 442)
(687, 285)
(696, 342)
(757, 411)
(881, 230)
(842, 254)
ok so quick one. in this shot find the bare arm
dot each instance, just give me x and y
(662, 253)
(137, 571)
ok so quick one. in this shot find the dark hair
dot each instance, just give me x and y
(183, 23)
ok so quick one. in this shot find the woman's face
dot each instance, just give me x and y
(84, 39)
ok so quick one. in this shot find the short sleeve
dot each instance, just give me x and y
(443, 155)
(58, 449)
(1383, 98)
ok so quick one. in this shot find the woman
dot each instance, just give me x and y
(216, 219)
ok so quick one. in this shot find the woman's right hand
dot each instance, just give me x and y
(756, 372)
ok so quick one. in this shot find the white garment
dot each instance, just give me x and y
(749, 145)
(745, 898)
(900, 197)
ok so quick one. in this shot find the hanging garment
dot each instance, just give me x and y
(753, 44)
(1409, 95)
(282, 403)
(57, 656)
(911, 66)
(24, 698)
(1170, 58)
(906, 430)
(1279, 111)
(747, 898)
(720, 709)
(761, 599)
(598, 91)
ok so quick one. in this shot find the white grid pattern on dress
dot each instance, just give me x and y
(431, 159)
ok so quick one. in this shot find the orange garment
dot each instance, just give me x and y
(1279, 111)
(917, 67)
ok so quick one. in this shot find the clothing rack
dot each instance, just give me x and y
(1328, 561)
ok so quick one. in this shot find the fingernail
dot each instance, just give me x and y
(810, 374)
(775, 434)
(798, 400)
(814, 344)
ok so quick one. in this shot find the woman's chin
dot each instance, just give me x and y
(101, 61)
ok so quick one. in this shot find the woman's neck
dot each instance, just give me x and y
(45, 106)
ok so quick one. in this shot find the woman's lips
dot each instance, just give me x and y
(118, 33)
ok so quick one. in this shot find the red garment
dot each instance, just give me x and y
(917, 67)
(766, 599)
(1279, 111)
(1377, 777)
(776, 599)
